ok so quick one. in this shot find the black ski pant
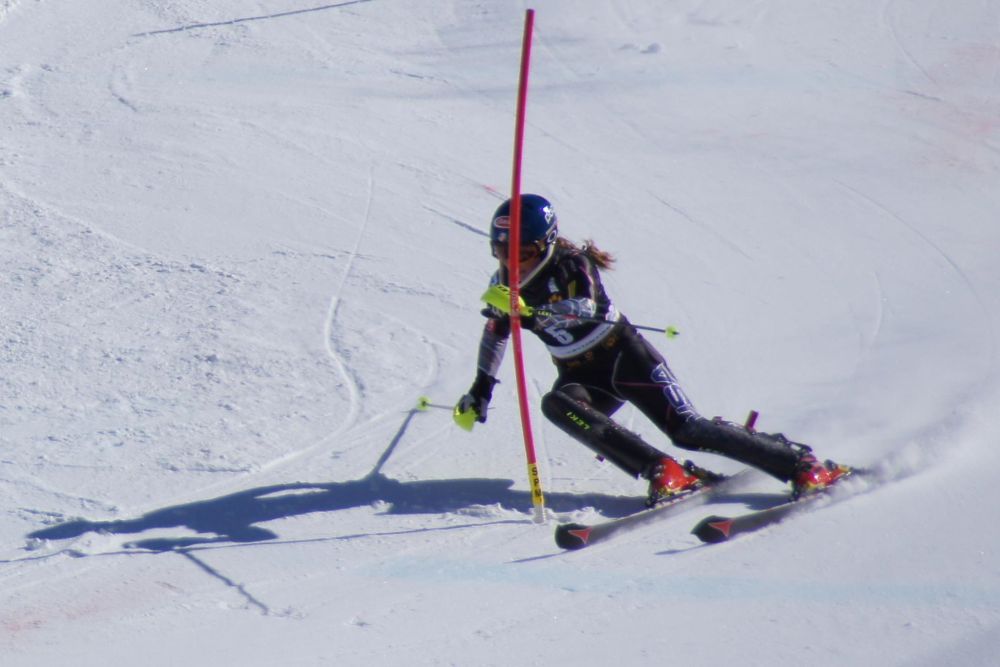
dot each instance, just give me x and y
(627, 368)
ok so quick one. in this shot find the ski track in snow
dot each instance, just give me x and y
(156, 409)
(335, 300)
(124, 260)
(120, 90)
(7, 6)
(989, 372)
(887, 19)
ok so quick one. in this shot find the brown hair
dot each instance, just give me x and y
(601, 258)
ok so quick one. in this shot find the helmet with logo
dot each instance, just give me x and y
(539, 226)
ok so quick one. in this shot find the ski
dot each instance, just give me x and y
(577, 536)
(715, 529)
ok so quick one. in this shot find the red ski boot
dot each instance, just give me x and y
(813, 476)
(668, 478)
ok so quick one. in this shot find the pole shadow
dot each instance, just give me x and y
(247, 19)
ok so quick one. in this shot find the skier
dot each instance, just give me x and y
(603, 361)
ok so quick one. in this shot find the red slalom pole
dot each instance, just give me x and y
(514, 271)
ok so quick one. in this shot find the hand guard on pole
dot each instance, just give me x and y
(472, 406)
(498, 297)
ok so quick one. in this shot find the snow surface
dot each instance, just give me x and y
(240, 239)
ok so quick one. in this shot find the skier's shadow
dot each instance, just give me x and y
(235, 517)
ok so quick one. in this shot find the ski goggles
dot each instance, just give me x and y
(526, 253)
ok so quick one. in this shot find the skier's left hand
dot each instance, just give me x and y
(471, 408)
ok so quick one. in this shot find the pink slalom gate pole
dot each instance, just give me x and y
(514, 270)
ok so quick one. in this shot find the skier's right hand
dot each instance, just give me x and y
(471, 408)
(498, 296)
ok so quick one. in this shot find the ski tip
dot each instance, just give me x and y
(572, 536)
(713, 529)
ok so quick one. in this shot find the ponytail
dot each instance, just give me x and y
(601, 258)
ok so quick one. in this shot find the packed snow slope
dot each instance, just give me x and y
(239, 240)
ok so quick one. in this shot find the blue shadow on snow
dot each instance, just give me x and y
(235, 517)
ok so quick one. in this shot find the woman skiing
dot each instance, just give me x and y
(603, 361)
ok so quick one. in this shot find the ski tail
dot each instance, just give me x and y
(573, 536)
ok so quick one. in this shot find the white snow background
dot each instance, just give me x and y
(239, 240)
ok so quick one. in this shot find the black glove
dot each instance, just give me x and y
(527, 321)
(478, 397)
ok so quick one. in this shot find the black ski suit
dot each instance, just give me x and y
(603, 361)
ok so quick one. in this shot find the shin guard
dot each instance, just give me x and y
(774, 454)
(600, 433)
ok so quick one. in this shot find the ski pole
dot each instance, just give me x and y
(423, 403)
(465, 419)
(501, 298)
(669, 331)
